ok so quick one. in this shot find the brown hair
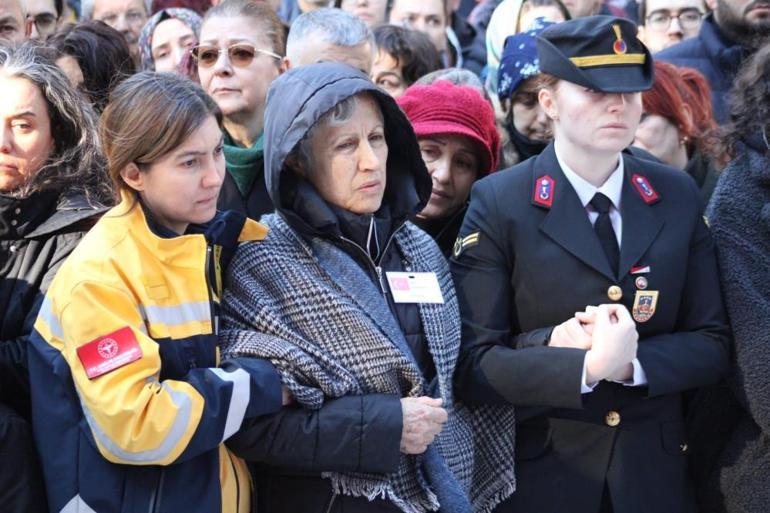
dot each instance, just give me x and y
(268, 23)
(749, 108)
(149, 115)
(546, 81)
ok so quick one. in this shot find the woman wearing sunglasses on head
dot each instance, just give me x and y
(239, 55)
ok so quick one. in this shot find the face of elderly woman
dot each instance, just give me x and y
(171, 39)
(453, 165)
(529, 118)
(25, 132)
(349, 159)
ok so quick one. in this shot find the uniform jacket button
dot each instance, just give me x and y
(612, 418)
(614, 293)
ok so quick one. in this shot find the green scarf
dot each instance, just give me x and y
(244, 164)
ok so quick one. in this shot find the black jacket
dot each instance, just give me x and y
(715, 56)
(36, 235)
(739, 214)
(531, 268)
(444, 231)
(472, 45)
(355, 433)
(255, 205)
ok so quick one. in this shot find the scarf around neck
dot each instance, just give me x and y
(316, 315)
(244, 164)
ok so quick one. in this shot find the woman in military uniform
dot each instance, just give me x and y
(586, 228)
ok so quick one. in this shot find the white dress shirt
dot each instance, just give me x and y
(612, 188)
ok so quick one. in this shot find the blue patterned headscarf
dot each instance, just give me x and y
(186, 16)
(519, 60)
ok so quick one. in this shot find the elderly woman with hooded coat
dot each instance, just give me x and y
(356, 308)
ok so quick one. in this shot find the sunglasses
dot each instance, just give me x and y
(240, 55)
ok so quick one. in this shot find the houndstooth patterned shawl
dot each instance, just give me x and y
(310, 309)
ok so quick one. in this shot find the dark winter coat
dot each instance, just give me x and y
(36, 235)
(255, 205)
(739, 214)
(356, 433)
(472, 45)
(348, 434)
(716, 57)
(444, 231)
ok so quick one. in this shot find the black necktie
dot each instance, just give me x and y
(603, 229)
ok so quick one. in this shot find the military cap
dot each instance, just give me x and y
(599, 52)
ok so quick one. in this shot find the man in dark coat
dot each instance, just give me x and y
(728, 35)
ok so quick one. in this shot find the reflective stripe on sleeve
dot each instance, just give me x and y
(177, 314)
(46, 313)
(239, 400)
(165, 447)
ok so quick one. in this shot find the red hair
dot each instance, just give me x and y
(698, 94)
(675, 87)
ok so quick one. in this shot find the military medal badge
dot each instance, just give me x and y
(645, 302)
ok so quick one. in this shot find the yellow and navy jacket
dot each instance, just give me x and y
(131, 404)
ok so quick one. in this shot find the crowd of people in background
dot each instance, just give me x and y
(384, 256)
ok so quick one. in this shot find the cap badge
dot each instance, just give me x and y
(619, 47)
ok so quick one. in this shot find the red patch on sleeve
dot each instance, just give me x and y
(107, 353)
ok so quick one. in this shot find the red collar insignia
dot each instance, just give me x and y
(644, 189)
(544, 191)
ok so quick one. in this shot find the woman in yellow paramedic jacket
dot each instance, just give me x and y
(131, 404)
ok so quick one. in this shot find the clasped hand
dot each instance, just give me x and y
(608, 333)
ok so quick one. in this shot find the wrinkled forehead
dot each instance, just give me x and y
(12, 9)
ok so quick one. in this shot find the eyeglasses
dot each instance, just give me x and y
(45, 23)
(688, 19)
(240, 55)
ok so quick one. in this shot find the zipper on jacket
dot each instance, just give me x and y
(156, 499)
(214, 311)
(377, 268)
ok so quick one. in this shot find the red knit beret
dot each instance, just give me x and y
(443, 108)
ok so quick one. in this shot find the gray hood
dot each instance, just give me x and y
(295, 101)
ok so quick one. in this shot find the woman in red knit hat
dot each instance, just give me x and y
(455, 127)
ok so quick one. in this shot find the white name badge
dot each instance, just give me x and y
(415, 288)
